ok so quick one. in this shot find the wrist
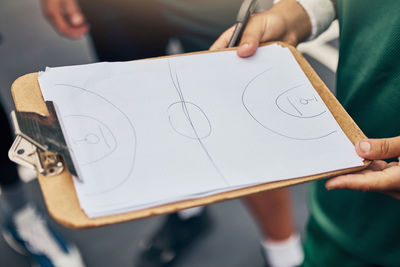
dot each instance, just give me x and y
(321, 13)
(297, 21)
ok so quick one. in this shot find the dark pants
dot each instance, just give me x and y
(8, 175)
(123, 30)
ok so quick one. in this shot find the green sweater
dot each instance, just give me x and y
(367, 225)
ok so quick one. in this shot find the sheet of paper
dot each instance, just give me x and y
(150, 132)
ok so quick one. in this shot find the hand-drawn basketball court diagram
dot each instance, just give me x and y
(189, 120)
(97, 137)
(289, 110)
(95, 143)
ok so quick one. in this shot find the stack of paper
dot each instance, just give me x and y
(151, 132)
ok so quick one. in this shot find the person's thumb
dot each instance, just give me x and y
(251, 38)
(379, 148)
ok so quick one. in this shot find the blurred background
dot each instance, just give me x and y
(29, 44)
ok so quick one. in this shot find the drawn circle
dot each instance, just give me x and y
(189, 120)
(92, 141)
(303, 101)
(300, 102)
(284, 108)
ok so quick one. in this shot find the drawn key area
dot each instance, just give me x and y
(91, 142)
(287, 108)
(300, 102)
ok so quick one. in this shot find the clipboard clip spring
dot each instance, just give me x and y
(40, 143)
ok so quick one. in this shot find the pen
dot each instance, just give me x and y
(245, 11)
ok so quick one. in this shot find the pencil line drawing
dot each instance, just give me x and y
(296, 106)
(291, 103)
(184, 108)
(111, 141)
(106, 144)
(104, 137)
(175, 109)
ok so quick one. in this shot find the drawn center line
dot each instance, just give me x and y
(185, 110)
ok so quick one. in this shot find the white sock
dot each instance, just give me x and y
(189, 213)
(285, 253)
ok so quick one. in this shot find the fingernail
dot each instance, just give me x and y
(244, 46)
(365, 146)
(76, 19)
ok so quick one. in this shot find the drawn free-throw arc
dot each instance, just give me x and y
(95, 140)
(296, 108)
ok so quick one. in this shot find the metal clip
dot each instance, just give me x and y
(40, 143)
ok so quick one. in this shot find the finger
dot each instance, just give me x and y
(55, 15)
(252, 36)
(51, 8)
(393, 164)
(54, 11)
(386, 180)
(65, 28)
(378, 165)
(379, 148)
(73, 13)
(223, 41)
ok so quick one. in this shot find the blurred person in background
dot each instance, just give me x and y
(358, 226)
(123, 30)
(23, 226)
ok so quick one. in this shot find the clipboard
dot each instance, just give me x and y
(58, 189)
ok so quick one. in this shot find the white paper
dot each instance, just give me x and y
(150, 132)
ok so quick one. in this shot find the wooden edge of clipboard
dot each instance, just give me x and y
(59, 192)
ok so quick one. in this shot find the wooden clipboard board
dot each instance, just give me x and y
(59, 192)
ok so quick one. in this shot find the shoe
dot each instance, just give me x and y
(170, 241)
(28, 233)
